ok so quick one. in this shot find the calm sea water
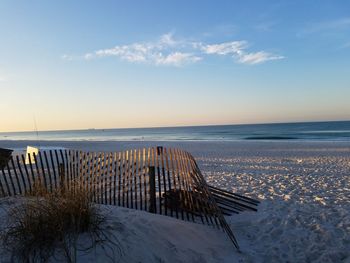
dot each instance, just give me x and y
(315, 131)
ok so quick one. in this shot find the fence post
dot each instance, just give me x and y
(152, 189)
(61, 175)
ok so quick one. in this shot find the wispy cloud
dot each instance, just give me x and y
(168, 51)
(162, 52)
(176, 59)
(226, 48)
(257, 57)
(237, 49)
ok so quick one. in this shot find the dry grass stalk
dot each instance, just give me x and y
(48, 224)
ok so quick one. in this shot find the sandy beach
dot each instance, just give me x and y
(303, 187)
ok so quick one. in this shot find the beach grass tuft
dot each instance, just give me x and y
(48, 224)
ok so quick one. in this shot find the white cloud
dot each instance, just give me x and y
(257, 57)
(162, 52)
(237, 49)
(177, 59)
(168, 40)
(234, 47)
(168, 51)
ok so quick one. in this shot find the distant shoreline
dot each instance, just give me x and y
(316, 131)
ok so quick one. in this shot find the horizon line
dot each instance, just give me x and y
(179, 126)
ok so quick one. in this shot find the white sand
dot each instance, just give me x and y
(304, 215)
(143, 237)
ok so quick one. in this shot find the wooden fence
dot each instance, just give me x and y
(157, 180)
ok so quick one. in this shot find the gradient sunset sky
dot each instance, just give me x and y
(110, 64)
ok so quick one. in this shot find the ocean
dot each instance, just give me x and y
(307, 131)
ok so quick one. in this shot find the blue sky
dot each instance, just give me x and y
(109, 64)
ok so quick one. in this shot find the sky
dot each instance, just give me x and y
(110, 64)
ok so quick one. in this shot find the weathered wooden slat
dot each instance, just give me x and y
(189, 184)
(81, 164)
(131, 177)
(3, 194)
(89, 183)
(120, 161)
(183, 194)
(31, 168)
(6, 182)
(204, 195)
(158, 180)
(132, 190)
(80, 156)
(177, 185)
(115, 159)
(66, 158)
(97, 177)
(212, 207)
(160, 152)
(21, 173)
(48, 170)
(85, 158)
(70, 169)
(17, 182)
(127, 159)
(77, 166)
(111, 162)
(94, 176)
(234, 195)
(198, 199)
(86, 170)
(135, 179)
(143, 182)
(167, 171)
(103, 178)
(26, 173)
(124, 174)
(61, 177)
(152, 190)
(43, 170)
(74, 169)
(173, 173)
(65, 165)
(147, 163)
(139, 169)
(53, 169)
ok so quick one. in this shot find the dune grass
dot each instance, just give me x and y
(48, 224)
